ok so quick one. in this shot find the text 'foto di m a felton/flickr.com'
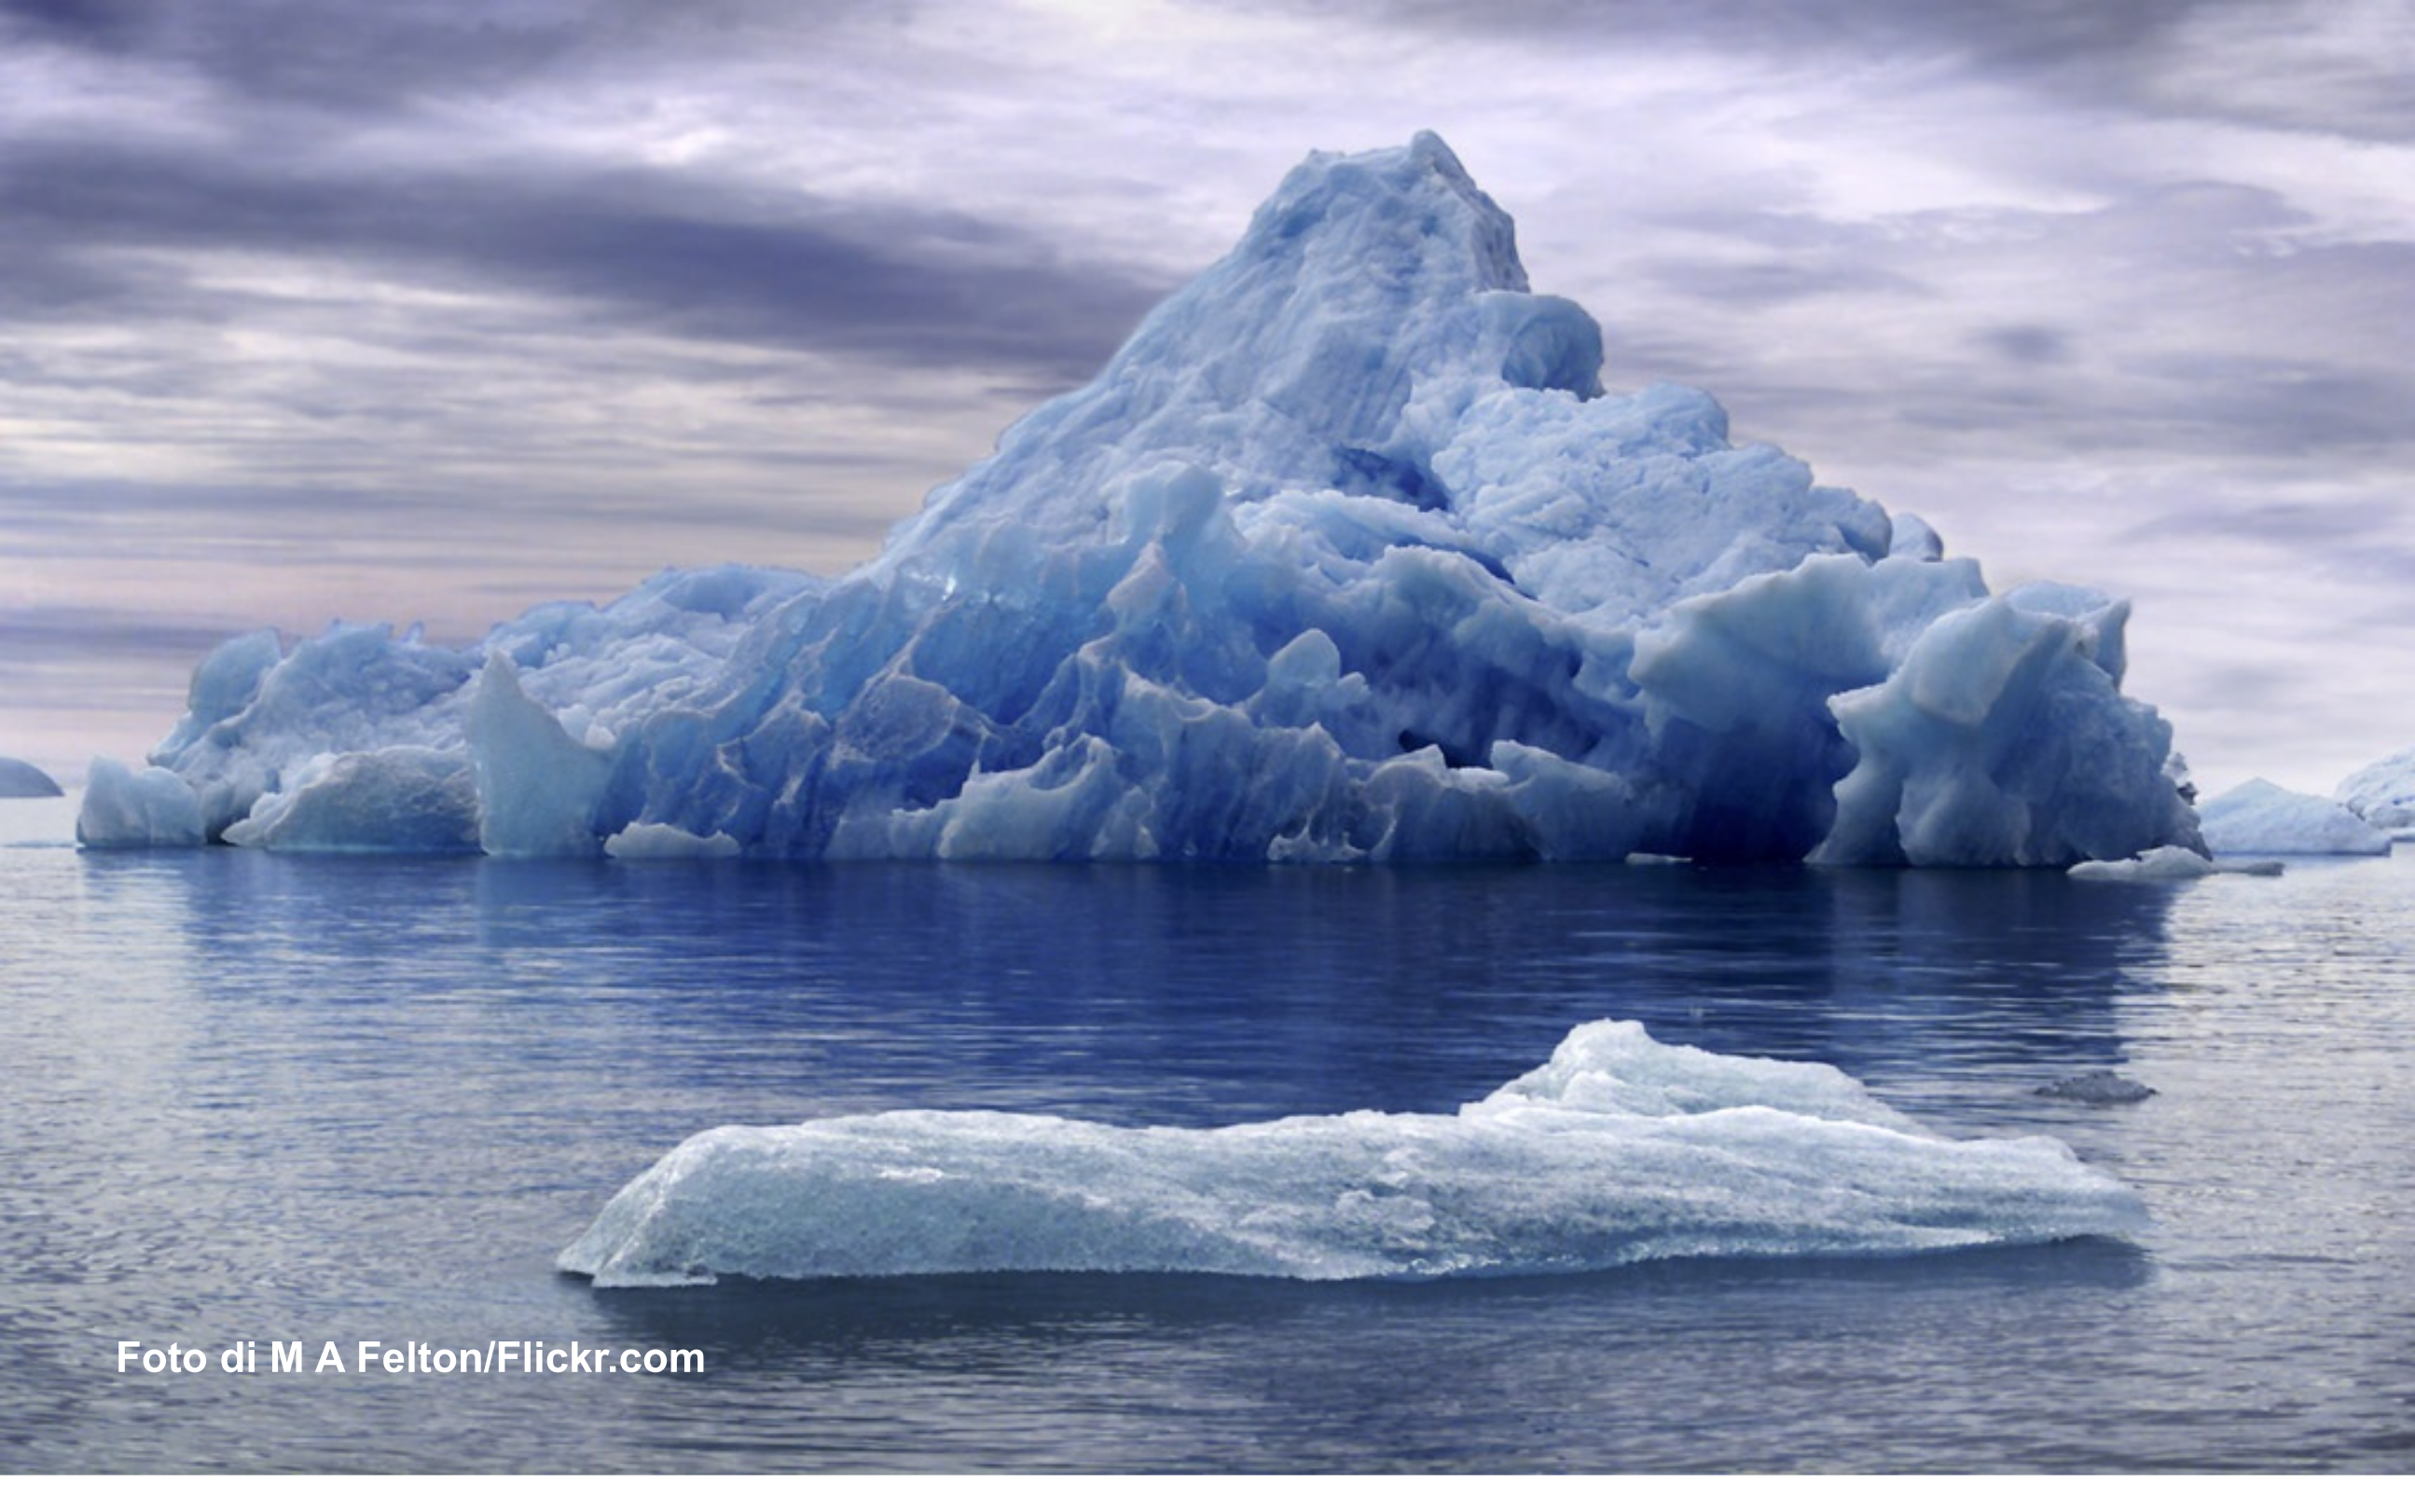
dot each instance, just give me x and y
(373, 1357)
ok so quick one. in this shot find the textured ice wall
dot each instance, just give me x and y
(1620, 1149)
(1343, 557)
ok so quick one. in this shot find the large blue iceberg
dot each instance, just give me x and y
(1620, 1149)
(1344, 557)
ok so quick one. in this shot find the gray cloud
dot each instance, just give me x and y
(2031, 346)
(2040, 29)
(902, 284)
(2214, 59)
(357, 60)
(2363, 525)
(106, 633)
(1757, 283)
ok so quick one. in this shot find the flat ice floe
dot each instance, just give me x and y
(1621, 1149)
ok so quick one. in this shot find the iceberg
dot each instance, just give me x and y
(2383, 794)
(2260, 818)
(1345, 556)
(23, 779)
(1619, 1150)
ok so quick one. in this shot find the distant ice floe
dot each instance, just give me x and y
(1621, 1149)
(2259, 819)
(2383, 794)
(23, 779)
(2164, 863)
(1344, 557)
(2171, 863)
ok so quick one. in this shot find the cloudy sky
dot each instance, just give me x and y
(313, 309)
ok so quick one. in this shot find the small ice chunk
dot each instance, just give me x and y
(668, 842)
(2099, 1087)
(2162, 863)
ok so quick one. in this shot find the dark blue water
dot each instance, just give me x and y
(255, 1098)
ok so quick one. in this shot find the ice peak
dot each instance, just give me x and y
(1364, 280)
(1399, 212)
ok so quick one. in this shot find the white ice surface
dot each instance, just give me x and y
(1343, 557)
(1620, 1149)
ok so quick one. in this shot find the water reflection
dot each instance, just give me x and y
(1169, 994)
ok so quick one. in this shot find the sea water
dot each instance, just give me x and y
(333, 1101)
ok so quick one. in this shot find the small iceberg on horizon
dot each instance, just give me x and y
(2262, 818)
(2382, 794)
(23, 779)
(1619, 1150)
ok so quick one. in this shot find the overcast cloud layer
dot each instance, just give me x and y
(316, 312)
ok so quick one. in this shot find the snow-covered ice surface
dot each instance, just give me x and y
(2260, 818)
(1620, 1149)
(1343, 557)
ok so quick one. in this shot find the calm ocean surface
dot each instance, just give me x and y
(270, 1099)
